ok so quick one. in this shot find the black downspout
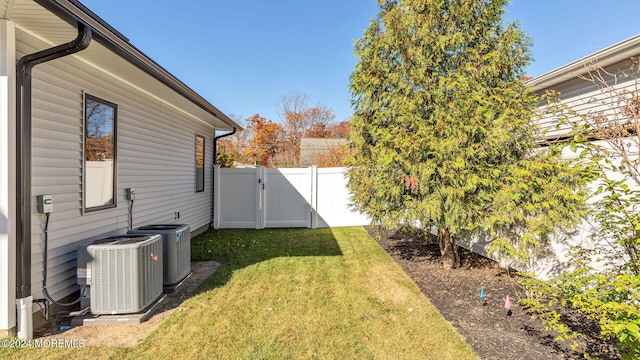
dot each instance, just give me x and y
(215, 162)
(23, 151)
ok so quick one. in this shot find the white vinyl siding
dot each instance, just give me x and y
(155, 156)
(585, 98)
(3, 9)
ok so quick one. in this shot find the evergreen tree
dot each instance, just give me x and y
(442, 132)
(224, 157)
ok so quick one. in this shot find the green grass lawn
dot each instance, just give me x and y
(293, 294)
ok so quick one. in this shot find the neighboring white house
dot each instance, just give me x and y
(91, 119)
(575, 90)
(581, 86)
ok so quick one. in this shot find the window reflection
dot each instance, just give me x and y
(199, 163)
(99, 150)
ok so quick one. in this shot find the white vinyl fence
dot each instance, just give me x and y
(260, 198)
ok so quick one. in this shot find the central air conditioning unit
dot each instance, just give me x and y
(123, 273)
(176, 247)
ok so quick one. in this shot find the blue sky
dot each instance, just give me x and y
(243, 56)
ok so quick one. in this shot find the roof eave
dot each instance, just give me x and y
(72, 11)
(615, 53)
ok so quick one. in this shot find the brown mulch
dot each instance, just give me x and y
(486, 326)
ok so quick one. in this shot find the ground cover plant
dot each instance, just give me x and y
(293, 294)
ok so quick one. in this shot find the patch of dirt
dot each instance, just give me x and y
(485, 325)
(130, 334)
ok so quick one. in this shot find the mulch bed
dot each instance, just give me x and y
(485, 325)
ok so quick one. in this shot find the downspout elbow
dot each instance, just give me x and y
(81, 42)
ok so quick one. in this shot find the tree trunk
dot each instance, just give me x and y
(448, 249)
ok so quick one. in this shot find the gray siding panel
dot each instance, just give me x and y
(155, 155)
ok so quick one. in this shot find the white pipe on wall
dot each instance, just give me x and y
(25, 317)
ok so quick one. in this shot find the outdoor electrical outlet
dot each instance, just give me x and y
(176, 215)
(131, 194)
(45, 204)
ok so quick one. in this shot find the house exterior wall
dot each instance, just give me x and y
(585, 97)
(155, 155)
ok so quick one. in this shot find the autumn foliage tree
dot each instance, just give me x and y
(267, 137)
(298, 120)
(277, 144)
(339, 130)
(335, 157)
(441, 131)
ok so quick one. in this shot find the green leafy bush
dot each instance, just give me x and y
(606, 140)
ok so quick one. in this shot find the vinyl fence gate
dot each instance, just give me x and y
(259, 198)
